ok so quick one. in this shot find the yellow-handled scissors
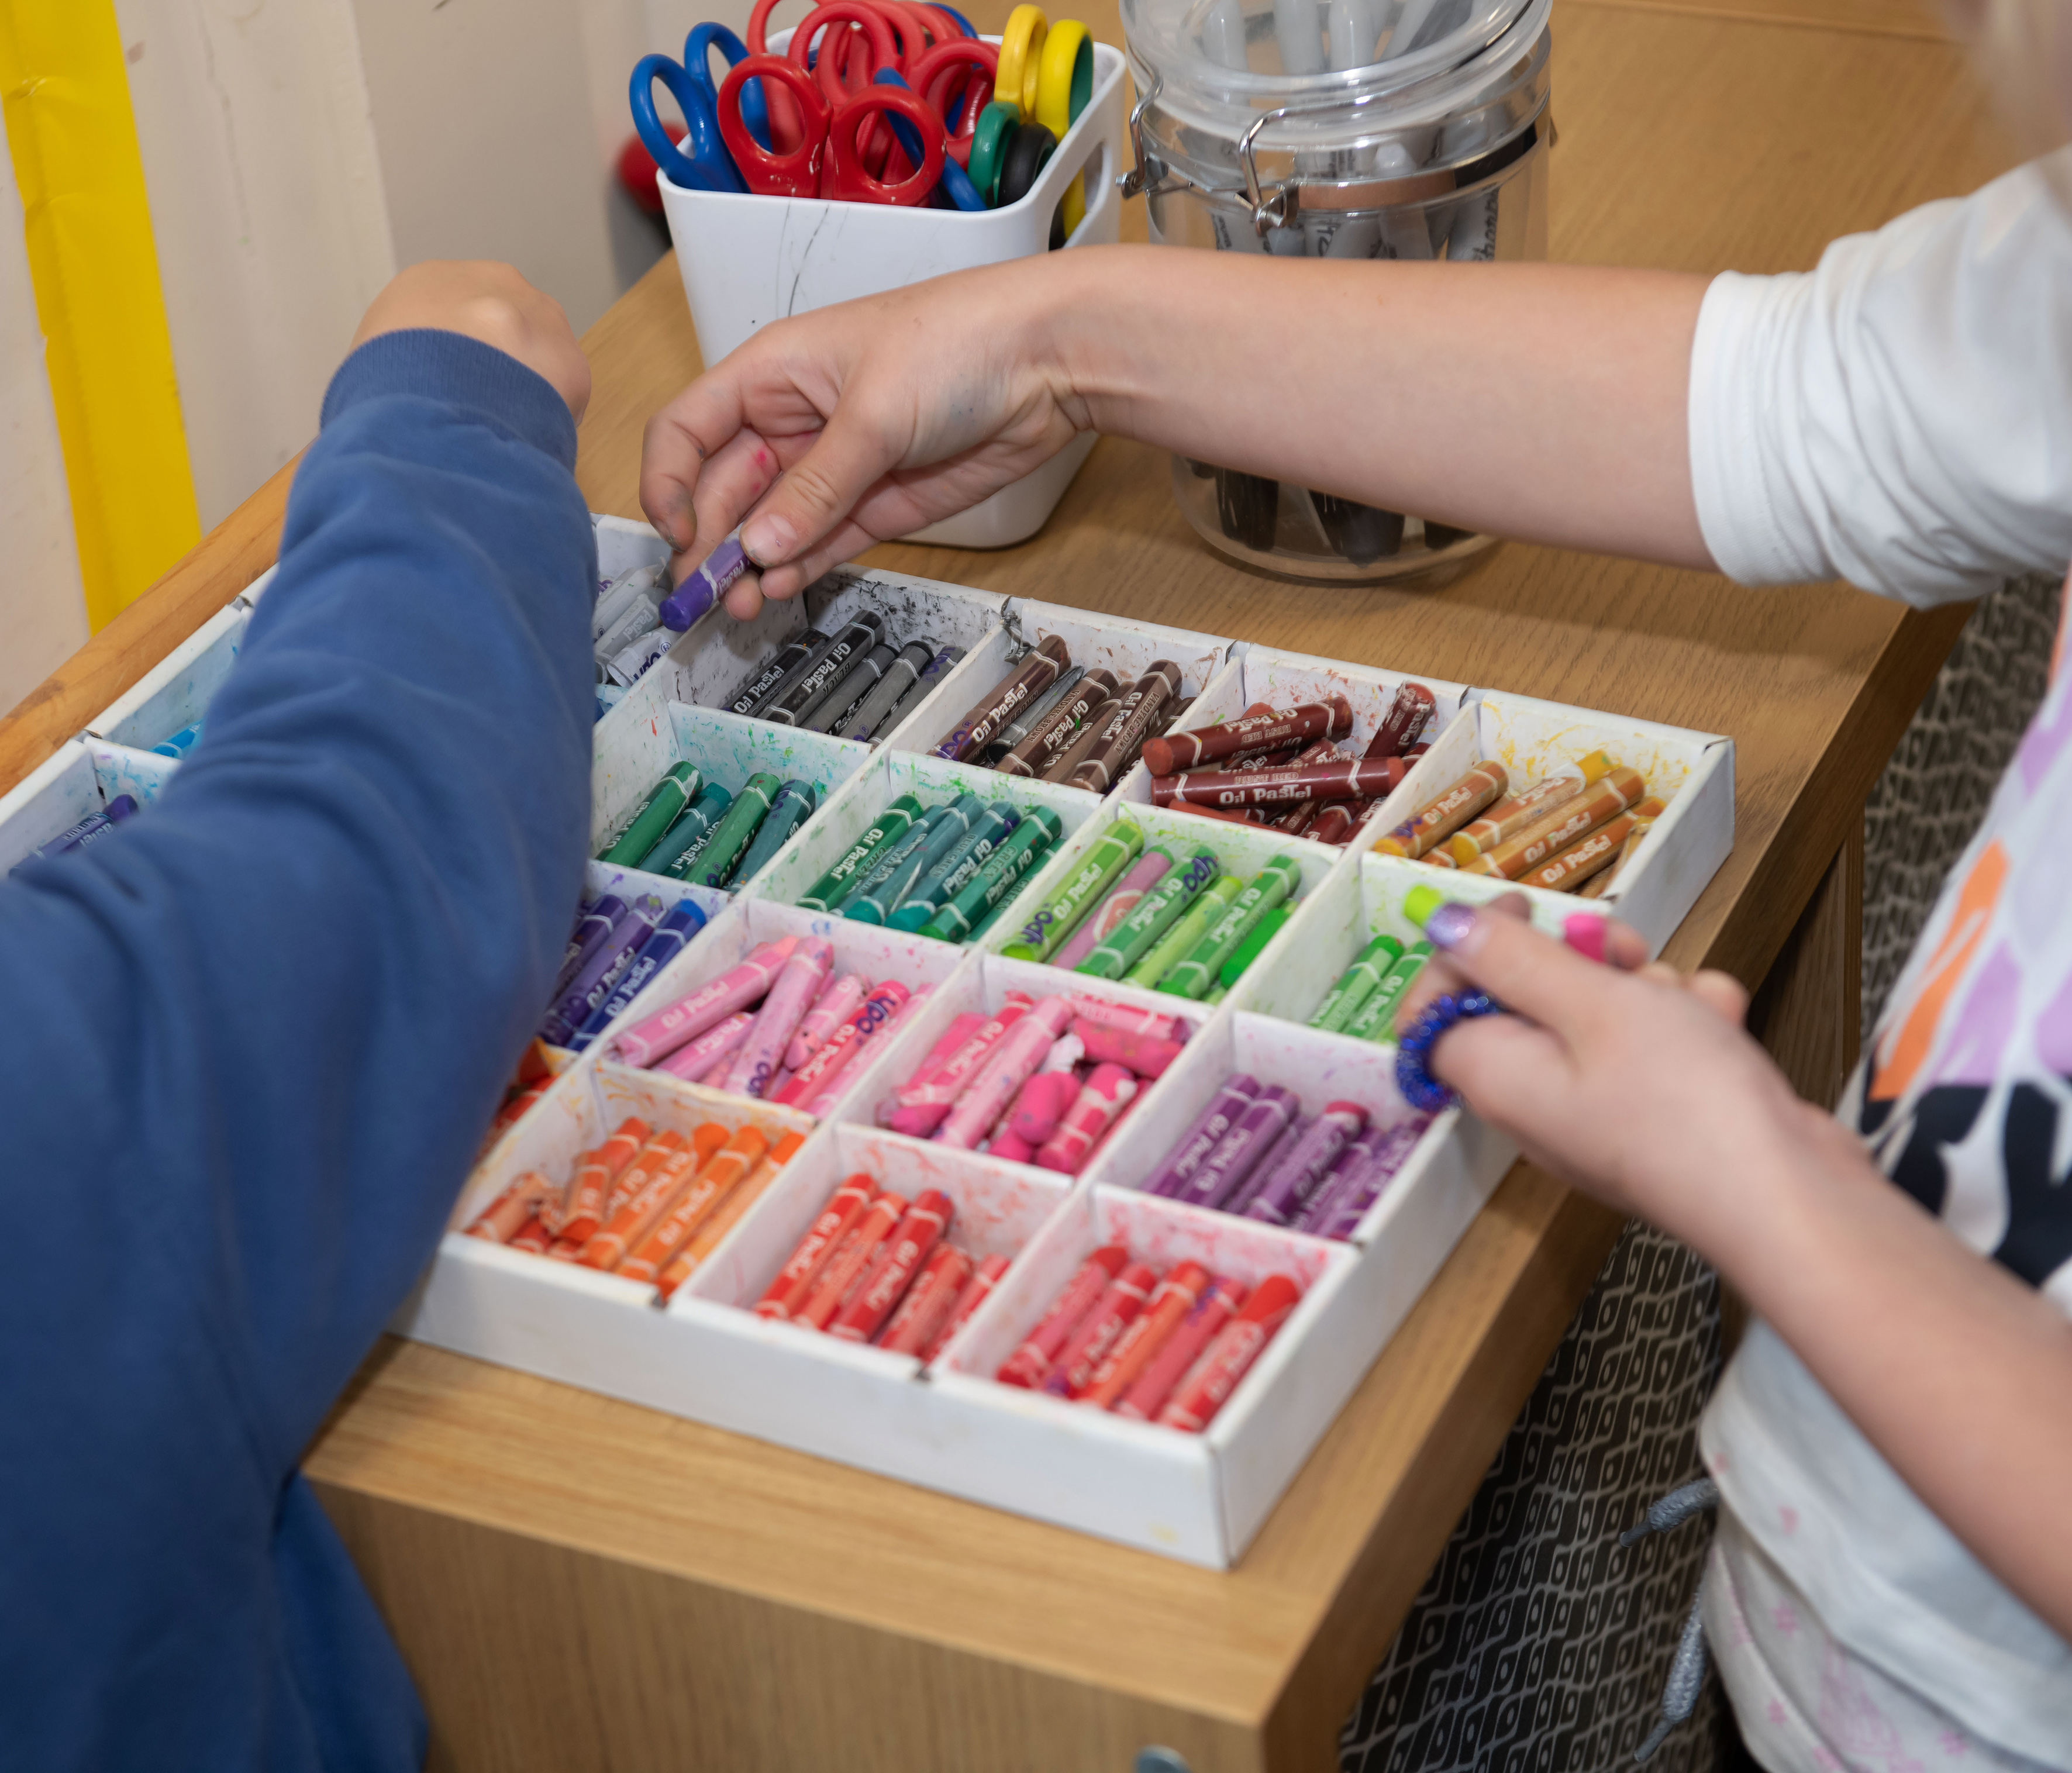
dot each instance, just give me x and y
(1021, 52)
(1064, 84)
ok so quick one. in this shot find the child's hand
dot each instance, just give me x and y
(882, 415)
(1631, 1081)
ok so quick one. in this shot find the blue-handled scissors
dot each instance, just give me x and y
(707, 165)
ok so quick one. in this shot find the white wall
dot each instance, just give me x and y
(43, 610)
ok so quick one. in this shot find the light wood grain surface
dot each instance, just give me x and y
(579, 1583)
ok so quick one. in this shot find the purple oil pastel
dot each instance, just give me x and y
(1358, 1192)
(1223, 1171)
(706, 584)
(1291, 1136)
(1185, 1156)
(1300, 1173)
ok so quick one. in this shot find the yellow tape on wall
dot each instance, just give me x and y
(65, 94)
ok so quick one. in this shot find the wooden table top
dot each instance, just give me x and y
(1692, 136)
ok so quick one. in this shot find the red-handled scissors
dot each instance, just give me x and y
(828, 161)
(956, 78)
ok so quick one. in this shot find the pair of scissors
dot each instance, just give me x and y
(913, 25)
(1046, 75)
(829, 158)
(849, 44)
(707, 165)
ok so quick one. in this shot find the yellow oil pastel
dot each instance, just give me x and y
(64, 92)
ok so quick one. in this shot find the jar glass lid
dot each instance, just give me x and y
(1219, 65)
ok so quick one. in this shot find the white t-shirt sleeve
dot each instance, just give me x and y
(1902, 415)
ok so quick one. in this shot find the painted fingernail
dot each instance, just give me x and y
(1585, 934)
(767, 540)
(1448, 927)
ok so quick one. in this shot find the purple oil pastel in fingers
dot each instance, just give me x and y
(705, 585)
(1186, 1152)
(1223, 1171)
(1300, 1173)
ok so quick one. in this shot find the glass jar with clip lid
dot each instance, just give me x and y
(1337, 128)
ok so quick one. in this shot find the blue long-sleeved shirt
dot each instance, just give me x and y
(248, 1044)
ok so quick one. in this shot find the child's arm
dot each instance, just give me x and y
(1543, 401)
(251, 1038)
(1641, 1088)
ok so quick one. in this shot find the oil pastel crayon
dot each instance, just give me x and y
(1274, 884)
(1282, 785)
(633, 1218)
(1288, 1185)
(1125, 729)
(874, 879)
(1286, 729)
(1617, 789)
(1409, 712)
(1031, 1364)
(989, 890)
(729, 1167)
(1048, 730)
(691, 824)
(1002, 1072)
(519, 1202)
(761, 1055)
(1269, 1160)
(944, 662)
(1508, 817)
(667, 800)
(962, 1026)
(589, 1188)
(1175, 1296)
(726, 1215)
(1043, 1100)
(714, 1002)
(1120, 1306)
(1376, 1019)
(765, 682)
(1357, 1192)
(900, 675)
(929, 1301)
(533, 1237)
(892, 1270)
(1109, 1088)
(842, 1278)
(1438, 819)
(578, 1230)
(977, 1290)
(616, 596)
(1127, 1017)
(819, 1075)
(1238, 1093)
(630, 664)
(975, 730)
(706, 584)
(641, 616)
(846, 694)
(1146, 1056)
(696, 1060)
(875, 1025)
(1348, 1166)
(1115, 907)
(593, 926)
(810, 686)
(1074, 748)
(794, 1280)
(731, 837)
(595, 979)
(683, 922)
(1224, 1170)
(947, 828)
(1568, 869)
(924, 1103)
(839, 999)
(1156, 912)
(1220, 1302)
(91, 827)
(1240, 1343)
(1186, 931)
(887, 829)
(792, 807)
(180, 743)
(989, 828)
(1100, 868)
(1023, 721)
(1263, 932)
(1356, 984)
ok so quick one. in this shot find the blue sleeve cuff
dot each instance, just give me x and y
(460, 372)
